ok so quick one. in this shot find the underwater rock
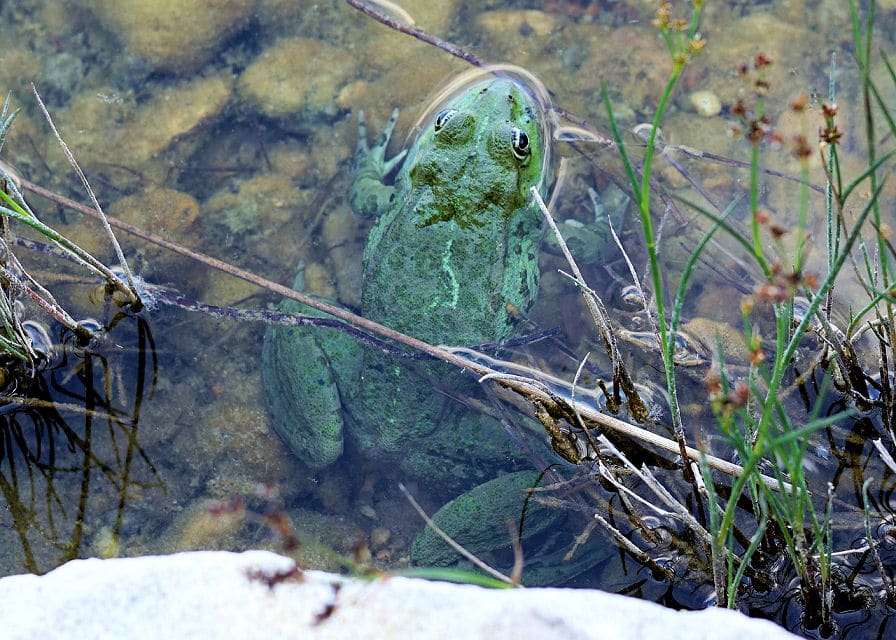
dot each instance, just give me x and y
(504, 23)
(265, 200)
(521, 36)
(379, 537)
(293, 161)
(172, 113)
(434, 17)
(394, 86)
(163, 211)
(207, 524)
(383, 56)
(735, 43)
(261, 216)
(638, 77)
(318, 281)
(107, 129)
(286, 81)
(19, 62)
(217, 594)
(106, 543)
(173, 35)
(706, 103)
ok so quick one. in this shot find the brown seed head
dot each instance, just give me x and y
(800, 103)
(761, 61)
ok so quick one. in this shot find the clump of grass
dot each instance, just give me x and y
(683, 41)
(17, 344)
(751, 412)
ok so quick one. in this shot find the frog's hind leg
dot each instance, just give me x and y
(478, 518)
(301, 371)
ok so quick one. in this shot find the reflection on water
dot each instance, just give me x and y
(70, 457)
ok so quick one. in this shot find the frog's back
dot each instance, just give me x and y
(449, 285)
(459, 245)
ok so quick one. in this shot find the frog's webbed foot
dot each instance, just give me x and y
(589, 242)
(369, 196)
(376, 156)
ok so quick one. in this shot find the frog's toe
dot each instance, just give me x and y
(386, 135)
(378, 151)
(394, 161)
(374, 157)
(361, 148)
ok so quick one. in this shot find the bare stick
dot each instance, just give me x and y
(421, 35)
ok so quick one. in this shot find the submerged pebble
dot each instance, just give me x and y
(516, 23)
(379, 537)
(294, 94)
(170, 34)
(706, 103)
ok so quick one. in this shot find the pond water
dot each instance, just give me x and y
(229, 128)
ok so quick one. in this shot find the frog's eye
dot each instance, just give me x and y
(519, 142)
(443, 117)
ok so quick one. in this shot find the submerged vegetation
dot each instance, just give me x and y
(67, 423)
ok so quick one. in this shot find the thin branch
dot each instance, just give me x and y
(419, 34)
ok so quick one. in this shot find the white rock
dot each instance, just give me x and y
(706, 103)
(258, 594)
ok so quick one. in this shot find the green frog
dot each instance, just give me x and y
(452, 259)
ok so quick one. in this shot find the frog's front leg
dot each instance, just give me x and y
(589, 242)
(369, 196)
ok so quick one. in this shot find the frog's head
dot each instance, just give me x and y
(478, 156)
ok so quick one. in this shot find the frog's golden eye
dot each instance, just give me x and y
(519, 142)
(444, 116)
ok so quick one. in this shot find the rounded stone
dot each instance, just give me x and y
(279, 89)
(173, 35)
(706, 103)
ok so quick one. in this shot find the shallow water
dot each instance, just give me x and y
(242, 150)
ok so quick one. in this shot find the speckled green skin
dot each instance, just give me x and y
(545, 541)
(456, 242)
(454, 250)
(498, 500)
